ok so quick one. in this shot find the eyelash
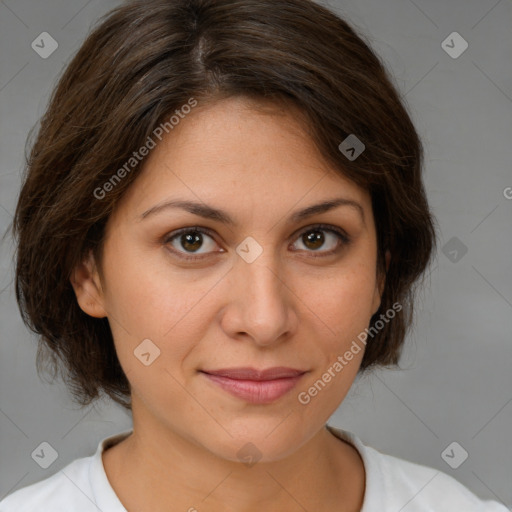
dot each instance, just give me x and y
(341, 235)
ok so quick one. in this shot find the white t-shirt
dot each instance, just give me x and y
(392, 485)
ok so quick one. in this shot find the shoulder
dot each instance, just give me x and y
(81, 486)
(396, 484)
(413, 487)
(68, 487)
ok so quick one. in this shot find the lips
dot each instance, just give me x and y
(247, 373)
(256, 386)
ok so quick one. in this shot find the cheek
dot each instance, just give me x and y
(144, 303)
(145, 293)
(339, 313)
(342, 303)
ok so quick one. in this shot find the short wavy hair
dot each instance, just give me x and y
(144, 60)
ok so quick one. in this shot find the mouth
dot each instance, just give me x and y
(256, 386)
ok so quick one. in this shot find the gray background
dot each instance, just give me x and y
(456, 383)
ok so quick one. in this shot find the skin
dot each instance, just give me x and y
(286, 308)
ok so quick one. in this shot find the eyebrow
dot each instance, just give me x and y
(209, 212)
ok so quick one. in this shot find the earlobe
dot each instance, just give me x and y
(87, 286)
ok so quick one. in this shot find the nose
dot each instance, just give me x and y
(261, 303)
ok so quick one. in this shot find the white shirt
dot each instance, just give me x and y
(392, 485)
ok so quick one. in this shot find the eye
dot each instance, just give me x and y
(187, 242)
(190, 239)
(313, 239)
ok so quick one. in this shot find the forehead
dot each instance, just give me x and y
(240, 154)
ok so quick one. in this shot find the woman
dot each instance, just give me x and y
(221, 224)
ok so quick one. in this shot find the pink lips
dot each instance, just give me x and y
(256, 386)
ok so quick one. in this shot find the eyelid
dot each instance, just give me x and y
(344, 238)
(342, 235)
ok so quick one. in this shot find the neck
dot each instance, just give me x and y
(156, 466)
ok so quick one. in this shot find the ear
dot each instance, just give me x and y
(379, 288)
(87, 285)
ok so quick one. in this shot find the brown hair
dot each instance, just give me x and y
(145, 60)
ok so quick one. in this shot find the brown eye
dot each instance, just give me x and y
(316, 237)
(190, 241)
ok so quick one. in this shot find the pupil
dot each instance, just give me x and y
(316, 238)
(192, 239)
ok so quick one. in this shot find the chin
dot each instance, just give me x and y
(253, 441)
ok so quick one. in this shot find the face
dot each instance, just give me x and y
(272, 288)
